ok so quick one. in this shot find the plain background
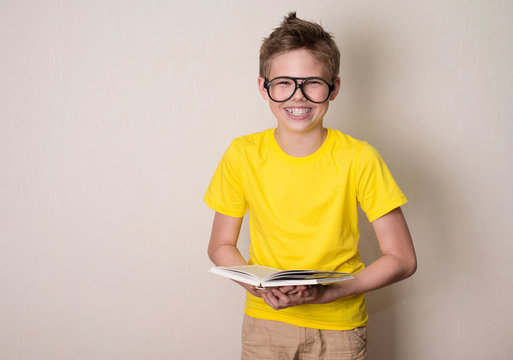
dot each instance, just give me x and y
(114, 114)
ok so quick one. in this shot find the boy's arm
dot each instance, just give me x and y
(222, 249)
(398, 261)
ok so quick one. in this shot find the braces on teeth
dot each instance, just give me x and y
(298, 112)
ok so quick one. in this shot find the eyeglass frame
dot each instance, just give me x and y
(267, 84)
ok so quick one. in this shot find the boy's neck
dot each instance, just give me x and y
(300, 144)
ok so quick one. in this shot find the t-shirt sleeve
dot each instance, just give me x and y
(225, 193)
(377, 191)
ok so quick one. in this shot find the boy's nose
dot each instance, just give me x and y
(298, 95)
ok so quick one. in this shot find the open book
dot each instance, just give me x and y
(263, 276)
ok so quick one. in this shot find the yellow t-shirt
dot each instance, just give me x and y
(303, 213)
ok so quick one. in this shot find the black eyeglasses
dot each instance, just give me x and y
(282, 88)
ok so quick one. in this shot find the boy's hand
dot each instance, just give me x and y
(288, 296)
(290, 290)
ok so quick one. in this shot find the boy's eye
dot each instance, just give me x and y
(313, 82)
(284, 82)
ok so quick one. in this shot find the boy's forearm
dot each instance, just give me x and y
(222, 249)
(226, 255)
(387, 270)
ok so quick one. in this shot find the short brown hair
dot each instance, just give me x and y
(296, 34)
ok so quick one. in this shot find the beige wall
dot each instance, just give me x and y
(113, 115)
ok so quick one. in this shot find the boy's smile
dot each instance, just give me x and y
(298, 115)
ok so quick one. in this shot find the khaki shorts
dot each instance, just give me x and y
(266, 339)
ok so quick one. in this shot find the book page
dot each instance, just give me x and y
(259, 272)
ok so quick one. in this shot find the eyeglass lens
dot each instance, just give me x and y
(315, 90)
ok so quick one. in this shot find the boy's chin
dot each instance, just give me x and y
(300, 126)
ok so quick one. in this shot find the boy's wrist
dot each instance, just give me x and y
(334, 292)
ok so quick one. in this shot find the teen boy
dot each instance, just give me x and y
(301, 184)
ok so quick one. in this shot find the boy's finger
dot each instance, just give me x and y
(271, 300)
(297, 289)
(283, 299)
(286, 289)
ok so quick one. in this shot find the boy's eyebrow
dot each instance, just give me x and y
(297, 78)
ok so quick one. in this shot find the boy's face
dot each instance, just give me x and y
(298, 114)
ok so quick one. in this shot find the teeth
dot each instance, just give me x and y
(298, 111)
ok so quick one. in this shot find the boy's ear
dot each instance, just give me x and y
(335, 91)
(262, 89)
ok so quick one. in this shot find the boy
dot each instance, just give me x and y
(302, 184)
